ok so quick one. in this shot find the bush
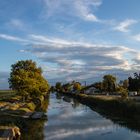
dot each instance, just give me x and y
(24, 110)
(31, 106)
(38, 100)
(77, 86)
(124, 94)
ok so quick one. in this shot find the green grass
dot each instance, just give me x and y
(8, 97)
(5, 94)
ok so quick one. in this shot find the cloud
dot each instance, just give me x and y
(16, 23)
(136, 37)
(83, 9)
(11, 38)
(68, 60)
(124, 25)
(79, 60)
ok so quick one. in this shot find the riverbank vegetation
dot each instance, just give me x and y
(26, 101)
(110, 85)
(29, 89)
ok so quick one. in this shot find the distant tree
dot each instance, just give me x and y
(124, 83)
(26, 78)
(134, 82)
(52, 89)
(123, 91)
(137, 75)
(98, 85)
(67, 87)
(77, 86)
(109, 83)
(58, 86)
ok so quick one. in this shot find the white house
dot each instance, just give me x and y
(132, 93)
(92, 90)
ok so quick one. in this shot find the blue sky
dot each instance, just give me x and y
(71, 39)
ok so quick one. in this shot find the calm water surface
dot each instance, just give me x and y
(70, 120)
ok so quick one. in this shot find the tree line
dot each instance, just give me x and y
(109, 85)
(27, 80)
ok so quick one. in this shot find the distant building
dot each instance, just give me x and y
(132, 93)
(92, 90)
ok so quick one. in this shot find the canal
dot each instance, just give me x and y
(67, 119)
(70, 120)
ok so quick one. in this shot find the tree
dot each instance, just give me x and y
(124, 83)
(109, 83)
(77, 86)
(58, 86)
(98, 85)
(134, 82)
(26, 78)
(67, 87)
(122, 91)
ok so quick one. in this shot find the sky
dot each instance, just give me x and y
(71, 39)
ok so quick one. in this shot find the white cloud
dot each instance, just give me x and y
(83, 9)
(71, 60)
(124, 25)
(12, 38)
(16, 23)
(136, 37)
(80, 60)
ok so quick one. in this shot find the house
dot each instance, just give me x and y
(92, 90)
(132, 93)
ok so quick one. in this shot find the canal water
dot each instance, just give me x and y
(70, 120)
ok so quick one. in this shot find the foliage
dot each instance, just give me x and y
(52, 89)
(26, 78)
(134, 82)
(125, 84)
(109, 83)
(58, 86)
(98, 85)
(123, 91)
(67, 87)
(31, 106)
(77, 86)
(24, 110)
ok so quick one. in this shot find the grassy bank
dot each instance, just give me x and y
(12, 104)
(125, 107)
(4, 94)
(24, 114)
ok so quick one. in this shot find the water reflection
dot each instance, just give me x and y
(70, 120)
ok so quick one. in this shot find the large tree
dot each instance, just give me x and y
(26, 78)
(109, 83)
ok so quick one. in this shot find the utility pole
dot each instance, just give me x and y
(85, 83)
